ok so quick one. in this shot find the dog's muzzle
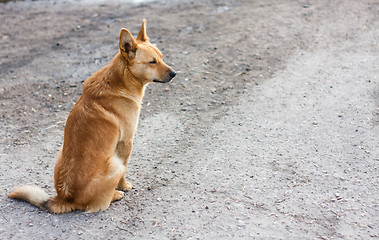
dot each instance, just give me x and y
(171, 75)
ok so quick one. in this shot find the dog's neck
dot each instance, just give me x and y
(132, 88)
(115, 79)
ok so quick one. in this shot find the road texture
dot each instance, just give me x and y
(269, 131)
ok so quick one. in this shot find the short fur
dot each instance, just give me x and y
(98, 136)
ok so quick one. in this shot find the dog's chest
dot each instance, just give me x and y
(128, 126)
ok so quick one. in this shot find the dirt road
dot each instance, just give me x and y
(269, 131)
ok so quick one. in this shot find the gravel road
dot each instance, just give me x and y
(269, 131)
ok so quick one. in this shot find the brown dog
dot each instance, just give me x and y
(99, 132)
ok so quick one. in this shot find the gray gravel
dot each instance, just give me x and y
(269, 131)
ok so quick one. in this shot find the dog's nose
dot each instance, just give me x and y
(172, 74)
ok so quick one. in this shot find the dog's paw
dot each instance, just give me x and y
(117, 195)
(125, 186)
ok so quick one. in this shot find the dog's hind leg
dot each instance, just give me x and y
(117, 195)
(102, 198)
(99, 194)
(58, 205)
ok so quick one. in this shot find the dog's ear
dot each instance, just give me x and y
(142, 33)
(127, 44)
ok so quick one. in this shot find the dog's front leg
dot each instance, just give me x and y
(124, 149)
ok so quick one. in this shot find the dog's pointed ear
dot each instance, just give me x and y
(127, 43)
(142, 33)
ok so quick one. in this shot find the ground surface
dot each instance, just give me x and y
(269, 131)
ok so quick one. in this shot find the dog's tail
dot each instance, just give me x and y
(32, 194)
(39, 198)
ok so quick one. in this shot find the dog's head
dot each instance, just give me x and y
(143, 59)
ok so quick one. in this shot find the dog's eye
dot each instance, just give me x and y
(153, 62)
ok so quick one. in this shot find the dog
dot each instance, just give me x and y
(98, 136)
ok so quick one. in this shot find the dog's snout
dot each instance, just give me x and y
(172, 74)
